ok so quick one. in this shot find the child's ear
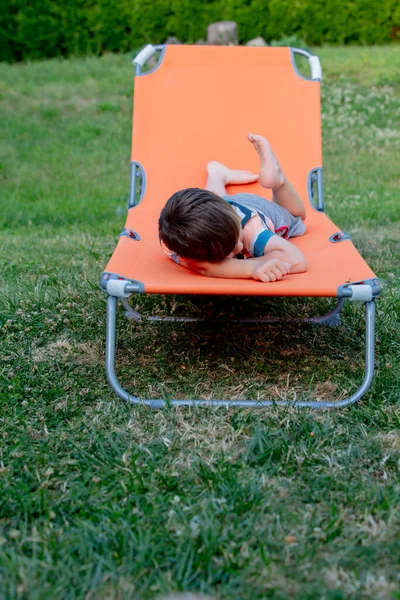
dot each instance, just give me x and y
(165, 247)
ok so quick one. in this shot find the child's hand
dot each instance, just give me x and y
(271, 270)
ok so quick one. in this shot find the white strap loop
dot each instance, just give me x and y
(116, 287)
(316, 70)
(361, 293)
(144, 55)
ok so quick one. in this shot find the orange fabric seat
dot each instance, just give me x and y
(198, 105)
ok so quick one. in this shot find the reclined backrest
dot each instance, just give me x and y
(200, 103)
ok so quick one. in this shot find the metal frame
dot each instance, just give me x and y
(316, 197)
(313, 61)
(323, 404)
(138, 178)
(144, 55)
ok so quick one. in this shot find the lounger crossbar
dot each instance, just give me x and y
(331, 318)
(198, 103)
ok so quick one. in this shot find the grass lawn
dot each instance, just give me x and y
(100, 500)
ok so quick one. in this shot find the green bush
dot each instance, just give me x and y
(46, 28)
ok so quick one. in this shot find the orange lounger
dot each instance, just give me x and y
(199, 102)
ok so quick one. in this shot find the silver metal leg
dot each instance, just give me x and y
(160, 403)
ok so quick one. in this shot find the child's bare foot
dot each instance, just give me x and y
(230, 176)
(271, 175)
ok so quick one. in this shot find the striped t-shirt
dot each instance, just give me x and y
(272, 219)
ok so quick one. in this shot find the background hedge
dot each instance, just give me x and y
(47, 28)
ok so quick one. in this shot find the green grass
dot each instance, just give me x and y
(100, 500)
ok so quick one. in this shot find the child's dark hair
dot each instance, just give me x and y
(200, 225)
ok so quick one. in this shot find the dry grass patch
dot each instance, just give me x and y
(210, 431)
(64, 349)
(373, 585)
(390, 440)
(373, 527)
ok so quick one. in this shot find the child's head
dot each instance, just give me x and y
(199, 225)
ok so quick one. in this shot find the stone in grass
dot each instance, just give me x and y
(258, 41)
(173, 40)
(201, 42)
(223, 33)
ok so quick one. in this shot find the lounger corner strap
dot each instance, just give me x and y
(121, 288)
(144, 55)
(361, 293)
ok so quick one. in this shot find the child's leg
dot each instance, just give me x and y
(272, 177)
(219, 176)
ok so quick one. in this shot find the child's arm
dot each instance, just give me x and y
(280, 258)
(265, 270)
(260, 239)
(279, 248)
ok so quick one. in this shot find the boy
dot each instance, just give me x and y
(205, 230)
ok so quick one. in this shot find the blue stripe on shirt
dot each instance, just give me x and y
(246, 211)
(261, 241)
